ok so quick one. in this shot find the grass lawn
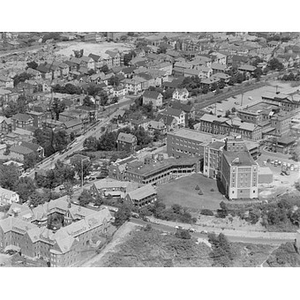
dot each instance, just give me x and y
(182, 191)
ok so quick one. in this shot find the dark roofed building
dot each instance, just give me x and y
(126, 142)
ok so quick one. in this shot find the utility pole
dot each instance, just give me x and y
(242, 99)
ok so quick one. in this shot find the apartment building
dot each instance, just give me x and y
(142, 196)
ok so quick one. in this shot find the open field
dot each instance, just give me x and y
(95, 48)
(182, 191)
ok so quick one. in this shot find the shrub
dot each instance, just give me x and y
(212, 190)
(197, 188)
(207, 212)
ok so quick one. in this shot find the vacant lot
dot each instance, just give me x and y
(183, 192)
(95, 48)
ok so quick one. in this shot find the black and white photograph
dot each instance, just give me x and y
(129, 149)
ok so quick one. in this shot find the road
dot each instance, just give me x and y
(232, 235)
(78, 144)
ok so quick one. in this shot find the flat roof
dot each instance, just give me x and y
(261, 107)
(192, 135)
(156, 166)
(242, 158)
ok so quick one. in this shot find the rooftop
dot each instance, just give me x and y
(192, 135)
(239, 158)
(142, 192)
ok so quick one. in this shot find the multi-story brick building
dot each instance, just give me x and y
(239, 175)
(160, 171)
(187, 142)
(212, 159)
(222, 125)
(29, 230)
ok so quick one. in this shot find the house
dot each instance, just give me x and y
(114, 58)
(133, 85)
(97, 60)
(64, 69)
(45, 71)
(19, 152)
(73, 126)
(189, 109)
(170, 122)
(6, 82)
(180, 95)
(114, 188)
(8, 197)
(87, 62)
(21, 121)
(35, 73)
(119, 91)
(39, 150)
(153, 97)
(5, 124)
(178, 114)
(218, 68)
(204, 72)
(126, 142)
(142, 196)
(157, 126)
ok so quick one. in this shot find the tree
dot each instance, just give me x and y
(122, 215)
(274, 64)
(103, 98)
(30, 160)
(78, 53)
(87, 101)
(9, 175)
(60, 140)
(206, 212)
(227, 113)
(104, 69)
(13, 108)
(82, 167)
(257, 73)
(21, 78)
(58, 107)
(183, 234)
(25, 186)
(85, 198)
(32, 65)
(91, 143)
(114, 81)
(176, 208)
(36, 199)
(240, 77)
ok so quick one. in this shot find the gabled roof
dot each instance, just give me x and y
(21, 117)
(172, 111)
(85, 58)
(95, 57)
(126, 137)
(151, 94)
(21, 150)
(72, 123)
(142, 192)
(185, 107)
(31, 146)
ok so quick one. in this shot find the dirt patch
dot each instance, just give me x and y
(66, 49)
(119, 237)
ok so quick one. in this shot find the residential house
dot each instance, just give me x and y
(87, 62)
(64, 69)
(156, 126)
(22, 121)
(133, 85)
(181, 95)
(119, 91)
(19, 152)
(170, 122)
(37, 149)
(153, 97)
(38, 118)
(6, 82)
(204, 72)
(73, 126)
(8, 197)
(178, 114)
(98, 63)
(35, 73)
(218, 68)
(5, 125)
(114, 57)
(126, 142)
(45, 71)
(189, 109)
